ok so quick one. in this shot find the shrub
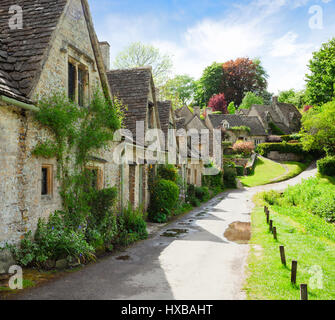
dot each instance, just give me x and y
(164, 197)
(134, 223)
(290, 137)
(326, 166)
(218, 103)
(168, 172)
(264, 148)
(202, 193)
(213, 182)
(230, 175)
(53, 240)
(245, 148)
(239, 170)
(271, 197)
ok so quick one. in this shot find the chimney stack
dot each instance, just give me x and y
(197, 111)
(105, 51)
(274, 100)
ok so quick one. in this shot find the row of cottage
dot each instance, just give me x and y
(57, 50)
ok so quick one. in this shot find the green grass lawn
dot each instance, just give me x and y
(307, 238)
(265, 172)
(295, 168)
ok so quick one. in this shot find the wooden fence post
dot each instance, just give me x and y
(282, 255)
(303, 292)
(274, 229)
(294, 272)
(271, 223)
(267, 218)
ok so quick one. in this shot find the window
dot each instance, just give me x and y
(77, 82)
(47, 180)
(225, 124)
(94, 177)
(72, 82)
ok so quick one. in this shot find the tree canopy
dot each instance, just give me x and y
(250, 99)
(298, 98)
(218, 103)
(138, 54)
(321, 79)
(318, 128)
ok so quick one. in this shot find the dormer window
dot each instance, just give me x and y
(225, 124)
(77, 82)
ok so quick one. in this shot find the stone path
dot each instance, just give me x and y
(200, 256)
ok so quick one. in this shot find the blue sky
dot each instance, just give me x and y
(282, 33)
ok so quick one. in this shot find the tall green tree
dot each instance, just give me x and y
(180, 90)
(318, 128)
(321, 78)
(209, 84)
(298, 98)
(250, 99)
(140, 55)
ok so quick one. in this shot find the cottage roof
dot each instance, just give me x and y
(132, 87)
(164, 109)
(23, 51)
(234, 120)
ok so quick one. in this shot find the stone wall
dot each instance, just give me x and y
(276, 156)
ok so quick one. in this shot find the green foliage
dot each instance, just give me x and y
(321, 78)
(315, 195)
(231, 108)
(214, 182)
(326, 166)
(318, 129)
(164, 197)
(275, 130)
(134, 223)
(230, 175)
(271, 197)
(292, 137)
(209, 84)
(239, 170)
(250, 99)
(168, 172)
(46, 150)
(297, 98)
(138, 54)
(180, 90)
(53, 240)
(264, 148)
(202, 193)
(191, 196)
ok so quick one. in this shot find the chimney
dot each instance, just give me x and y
(105, 51)
(274, 100)
(209, 111)
(197, 111)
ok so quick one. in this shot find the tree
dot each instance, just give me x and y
(209, 84)
(318, 128)
(141, 55)
(298, 98)
(249, 99)
(321, 80)
(180, 90)
(218, 103)
(267, 97)
(241, 76)
(231, 108)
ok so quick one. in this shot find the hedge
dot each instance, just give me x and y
(265, 148)
(326, 166)
(240, 170)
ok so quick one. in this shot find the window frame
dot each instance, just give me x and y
(100, 178)
(49, 182)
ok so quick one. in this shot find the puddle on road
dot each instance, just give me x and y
(239, 232)
(171, 233)
(201, 214)
(184, 223)
(123, 258)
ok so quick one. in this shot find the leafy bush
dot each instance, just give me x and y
(245, 148)
(290, 137)
(213, 182)
(134, 222)
(326, 166)
(239, 170)
(53, 240)
(218, 102)
(164, 196)
(271, 197)
(202, 193)
(168, 172)
(265, 148)
(230, 175)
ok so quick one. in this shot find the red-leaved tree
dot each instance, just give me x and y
(218, 103)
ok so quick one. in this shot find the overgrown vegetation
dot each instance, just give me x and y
(230, 175)
(88, 221)
(326, 166)
(265, 148)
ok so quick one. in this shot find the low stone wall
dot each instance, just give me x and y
(276, 156)
(238, 161)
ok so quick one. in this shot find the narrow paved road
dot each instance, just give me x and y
(199, 264)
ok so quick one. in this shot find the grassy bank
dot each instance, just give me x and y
(268, 171)
(308, 238)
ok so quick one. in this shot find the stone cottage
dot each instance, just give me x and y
(136, 90)
(284, 116)
(233, 125)
(55, 51)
